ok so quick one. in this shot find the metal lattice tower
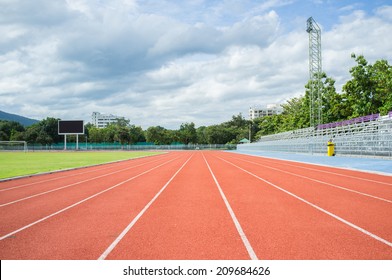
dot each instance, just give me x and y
(315, 70)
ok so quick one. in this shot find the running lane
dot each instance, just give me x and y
(84, 229)
(189, 220)
(27, 209)
(370, 212)
(282, 226)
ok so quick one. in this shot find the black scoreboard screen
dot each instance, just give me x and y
(71, 127)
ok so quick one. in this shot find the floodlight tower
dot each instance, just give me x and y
(315, 71)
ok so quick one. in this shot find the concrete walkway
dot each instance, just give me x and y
(374, 165)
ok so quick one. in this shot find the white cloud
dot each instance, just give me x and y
(356, 33)
(199, 61)
(385, 12)
(272, 4)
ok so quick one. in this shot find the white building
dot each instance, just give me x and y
(101, 120)
(258, 112)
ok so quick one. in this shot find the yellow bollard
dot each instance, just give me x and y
(330, 148)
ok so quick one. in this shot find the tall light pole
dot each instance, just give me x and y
(315, 70)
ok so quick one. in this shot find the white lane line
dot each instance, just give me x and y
(318, 181)
(133, 222)
(81, 201)
(237, 224)
(72, 175)
(283, 162)
(386, 242)
(74, 184)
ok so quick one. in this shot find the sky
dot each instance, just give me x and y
(167, 62)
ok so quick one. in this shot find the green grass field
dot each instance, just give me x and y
(19, 163)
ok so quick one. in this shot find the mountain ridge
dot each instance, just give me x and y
(17, 118)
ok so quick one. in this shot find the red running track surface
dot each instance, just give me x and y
(198, 205)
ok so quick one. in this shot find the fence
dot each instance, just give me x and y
(365, 136)
(120, 147)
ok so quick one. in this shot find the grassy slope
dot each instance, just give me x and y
(18, 163)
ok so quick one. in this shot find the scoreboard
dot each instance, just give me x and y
(71, 127)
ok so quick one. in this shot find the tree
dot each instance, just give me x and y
(187, 133)
(334, 105)
(32, 133)
(136, 134)
(44, 132)
(359, 90)
(3, 136)
(17, 135)
(109, 133)
(122, 122)
(220, 134)
(382, 78)
(295, 115)
(7, 128)
(268, 125)
(236, 129)
(122, 135)
(238, 121)
(87, 128)
(157, 135)
(49, 128)
(95, 135)
(44, 138)
(370, 89)
(201, 133)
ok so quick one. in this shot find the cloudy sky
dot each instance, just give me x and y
(167, 62)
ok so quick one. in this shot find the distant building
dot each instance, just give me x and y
(258, 112)
(102, 120)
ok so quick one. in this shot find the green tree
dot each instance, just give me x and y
(268, 125)
(382, 78)
(136, 134)
(334, 107)
(122, 122)
(32, 133)
(17, 135)
(7, 128)
(238, 121)
(87, 128)
(157, 135)
(201, 133)
(370, 89)
(44, 132)
(44, 138)
(295, 115)
(236, 129)
(122, 135)
(49, 131)
(109, 133)
(3, 136)
(95, 135)
(187, 133)
(220, 134)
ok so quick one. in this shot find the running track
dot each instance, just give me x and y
(198, 205)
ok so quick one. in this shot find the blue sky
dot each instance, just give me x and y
(169, 62)
(292, 12)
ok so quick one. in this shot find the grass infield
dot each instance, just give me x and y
(14, 164)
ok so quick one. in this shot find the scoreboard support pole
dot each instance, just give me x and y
(65, 142)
